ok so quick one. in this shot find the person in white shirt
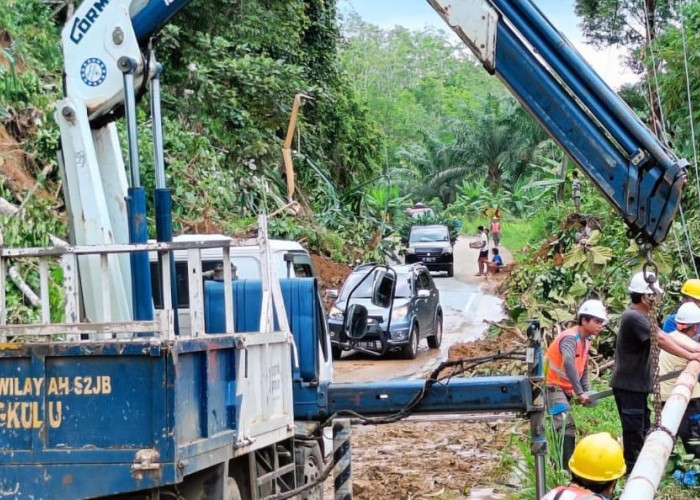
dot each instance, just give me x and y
(483, 252)
(687, 322)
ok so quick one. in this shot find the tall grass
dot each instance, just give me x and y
(518, 234)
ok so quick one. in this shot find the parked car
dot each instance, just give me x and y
(432, 246)
(415, 312)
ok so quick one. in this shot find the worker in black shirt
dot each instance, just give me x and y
(631, 378)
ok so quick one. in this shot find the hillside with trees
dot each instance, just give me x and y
(393, 116)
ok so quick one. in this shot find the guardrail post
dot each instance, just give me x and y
(342, 468)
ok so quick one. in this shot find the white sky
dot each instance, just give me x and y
(416, 14)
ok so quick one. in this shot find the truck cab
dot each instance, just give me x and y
(289, 260)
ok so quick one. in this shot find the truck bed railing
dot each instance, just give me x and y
(76, 326)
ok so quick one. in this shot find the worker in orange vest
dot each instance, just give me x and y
(596, 465)
(567, 375)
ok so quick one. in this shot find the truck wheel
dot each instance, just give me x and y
(232, 490)
(451, 271)
(309, 465)
(336, 351)
(410, 350)
(434, 341)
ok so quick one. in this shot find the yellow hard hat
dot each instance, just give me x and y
(598, 457)
(691, 288)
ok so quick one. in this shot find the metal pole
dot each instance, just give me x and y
(136, 202)
(128, 65)
(538, 443)
(161, 196)
(651, 464)
(342, 471)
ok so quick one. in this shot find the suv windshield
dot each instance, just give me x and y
(424, 234)
(364, 291)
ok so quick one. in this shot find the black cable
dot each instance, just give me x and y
(515, 354)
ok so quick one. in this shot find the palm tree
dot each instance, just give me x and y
(436, 169)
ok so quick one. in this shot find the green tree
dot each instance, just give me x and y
(632, 24)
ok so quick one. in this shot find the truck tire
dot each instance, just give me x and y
(410, 350)
(434, 341)
(336, 352)
(233, 492)
(309, 466)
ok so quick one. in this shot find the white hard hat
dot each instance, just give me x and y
(593, 308)
(638, 284)
(688, 314)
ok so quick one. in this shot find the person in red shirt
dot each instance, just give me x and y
(495, 232)
(567, 372)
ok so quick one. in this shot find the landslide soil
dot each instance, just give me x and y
(439, 459)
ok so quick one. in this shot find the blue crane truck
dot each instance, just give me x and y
(116, 402)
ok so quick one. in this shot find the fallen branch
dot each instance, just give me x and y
(24, 288)
(36, 185)
(509, 329)
(292, 206)
(608, 364)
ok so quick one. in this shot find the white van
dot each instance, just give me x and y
(289, 259)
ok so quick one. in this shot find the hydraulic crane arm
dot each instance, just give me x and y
(640, 177)
(104, 44)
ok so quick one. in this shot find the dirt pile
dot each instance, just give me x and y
(427, 459)
(330, 274)
(439, 458)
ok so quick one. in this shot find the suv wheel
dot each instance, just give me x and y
(451, 271)
(336, 351)
(434, 341)
(410, 350)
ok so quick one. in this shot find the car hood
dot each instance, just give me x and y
(372, 310)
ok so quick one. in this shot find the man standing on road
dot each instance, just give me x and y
(483, 247)
(576, 191)
(631, 379)
(495, 232)
(567, 375)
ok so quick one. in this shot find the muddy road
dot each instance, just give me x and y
(434, 456)
(465, 305)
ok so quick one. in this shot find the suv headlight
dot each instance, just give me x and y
(399, 312)
(447, 250)
(410, 250)
(335, 313)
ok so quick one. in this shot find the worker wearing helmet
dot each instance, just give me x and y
(631, 378)
(687, 321)
(595, 466)
(567, 374)
(690, 292)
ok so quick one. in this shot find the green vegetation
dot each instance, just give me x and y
(396, 117)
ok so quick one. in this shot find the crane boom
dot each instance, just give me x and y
(638, 174)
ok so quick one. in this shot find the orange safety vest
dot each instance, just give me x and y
(556, 374)
(572, 493)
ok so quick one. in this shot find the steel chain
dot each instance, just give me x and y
(654, 299)
(655, 351)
